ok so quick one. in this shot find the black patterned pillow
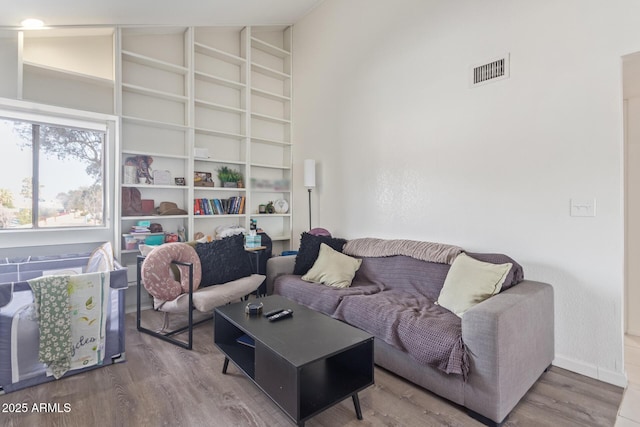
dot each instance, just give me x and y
(223, 260)
(310, 248)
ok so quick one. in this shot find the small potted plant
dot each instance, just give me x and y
(229, 177)
(239, 179)
(270, 208)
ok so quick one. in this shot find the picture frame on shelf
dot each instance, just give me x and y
(202, 179)
(161, 177)
(180, 181)
(201, 153)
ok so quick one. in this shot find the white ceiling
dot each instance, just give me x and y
(156, 12)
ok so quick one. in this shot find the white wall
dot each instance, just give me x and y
(407, 150)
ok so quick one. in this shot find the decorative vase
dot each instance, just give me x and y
(130, 175)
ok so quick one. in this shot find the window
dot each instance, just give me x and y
(52, 173)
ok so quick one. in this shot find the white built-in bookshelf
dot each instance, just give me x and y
(200, 98)
(153, 101)
(193, 99)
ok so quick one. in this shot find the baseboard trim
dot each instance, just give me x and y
(615, 378)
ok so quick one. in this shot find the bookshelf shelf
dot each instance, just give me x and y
(269, 48)
(153, 63)
(67, 74)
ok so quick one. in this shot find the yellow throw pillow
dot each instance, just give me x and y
(333, 268)
(470, 282)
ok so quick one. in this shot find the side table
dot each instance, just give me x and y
(255, 255)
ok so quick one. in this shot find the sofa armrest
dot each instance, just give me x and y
(278, 266)
(510, 342)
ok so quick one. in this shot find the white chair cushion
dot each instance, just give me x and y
(206, 299)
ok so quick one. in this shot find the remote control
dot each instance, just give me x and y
(272, 312)
(282, 315)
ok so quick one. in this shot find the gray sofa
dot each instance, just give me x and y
(508, 338)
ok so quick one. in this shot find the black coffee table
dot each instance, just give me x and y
(305, 364)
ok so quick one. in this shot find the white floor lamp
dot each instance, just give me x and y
(309, 180)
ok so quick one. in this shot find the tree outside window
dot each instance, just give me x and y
(51, 176)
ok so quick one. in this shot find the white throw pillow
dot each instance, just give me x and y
(146, 249)
(470, 282)
(333, 268)
(101, 259)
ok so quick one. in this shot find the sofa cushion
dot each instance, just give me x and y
(309, 249)
(320, 298)
(470, 282)
(223, 260)
(333, 268)
(404, 273)
(412, 323)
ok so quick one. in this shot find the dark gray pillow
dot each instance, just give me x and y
(223, 260)
(310, 248)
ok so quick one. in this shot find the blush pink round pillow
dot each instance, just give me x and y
(320, 232)
(157, 275)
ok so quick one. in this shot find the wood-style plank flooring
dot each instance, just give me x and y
(629, 411)
(163, 385)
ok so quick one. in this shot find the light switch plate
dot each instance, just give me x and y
(583, 207)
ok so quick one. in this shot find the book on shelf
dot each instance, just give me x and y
(231, 206)
(246, 340)
(206, 207)
(219, 208)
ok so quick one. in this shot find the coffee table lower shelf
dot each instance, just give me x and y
(300, 389)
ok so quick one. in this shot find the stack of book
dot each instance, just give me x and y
(139, 229)
(231, 206)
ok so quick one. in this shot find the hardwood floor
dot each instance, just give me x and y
(163, 385)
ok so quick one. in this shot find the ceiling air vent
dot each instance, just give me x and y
(496, 69)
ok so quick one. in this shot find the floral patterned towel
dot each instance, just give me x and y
(51, 297)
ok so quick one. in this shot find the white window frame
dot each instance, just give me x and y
(31, 111)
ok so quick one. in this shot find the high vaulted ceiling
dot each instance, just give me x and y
(156, 12)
